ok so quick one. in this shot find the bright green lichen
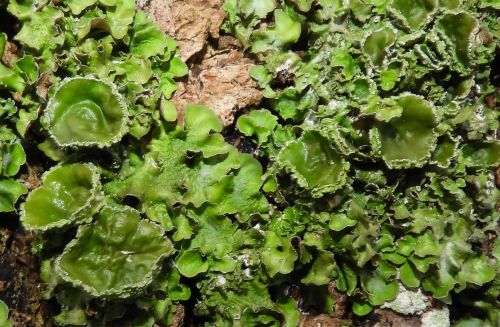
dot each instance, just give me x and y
(258, 122)
(98, 116)
(191, 164)
(104, 41)
(376, 44)
(12, 153)
(314, 163)
(407, 140)
(481, 154)
(398, 94)
(11, 159)
(70, 194)
(116, 256)
(285, 32)
(370, 164)
(458, 30)
(4, 315)
(413, 13)
(190, 263)
(41, 29)
(10, 191)
(446, 149)
(278, 255)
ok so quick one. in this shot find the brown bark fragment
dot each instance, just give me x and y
(340, 307)
(219, 74)
(20, 281)
(323, 320)
(389, 318)
(43, 85)
(10, 54)
(179, 315)
(33, 177)
(228, 42)
(221, 82)
(189, 22)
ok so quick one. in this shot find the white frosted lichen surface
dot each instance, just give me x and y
(408, 302)
(436, 318)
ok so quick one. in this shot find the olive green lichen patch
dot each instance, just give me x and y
(86, 112)
(384, 153)
(370, 166)
(407, 141)
(116, 256)
(70, 194)
(314, 163)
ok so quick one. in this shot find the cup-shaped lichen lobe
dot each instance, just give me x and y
(67, 194)
(415, 13)
(446, 149)
(407, 141)
(87, 111)
(315, 163)
(450, 4)
(482, 154)
(362, 88)
(458, 30)
(376, 44)
(115, 256)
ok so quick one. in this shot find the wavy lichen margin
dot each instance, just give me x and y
(103, 259)
(86, 111)
(54, 205)
(408, 139)
(314, 164)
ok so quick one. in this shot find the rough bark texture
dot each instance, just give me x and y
(223, 83)
(219, 73)
(11, 54)
(179, 316)
(388, 318)
(19, 281)
(379, 318)
(323, 320)
(343, 317)
(340, 307)
(190, 22)
(32, 178)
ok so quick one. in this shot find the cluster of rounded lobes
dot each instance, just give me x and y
(98, 260)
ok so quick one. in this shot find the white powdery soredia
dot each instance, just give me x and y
(408, 302)
(436, 318)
